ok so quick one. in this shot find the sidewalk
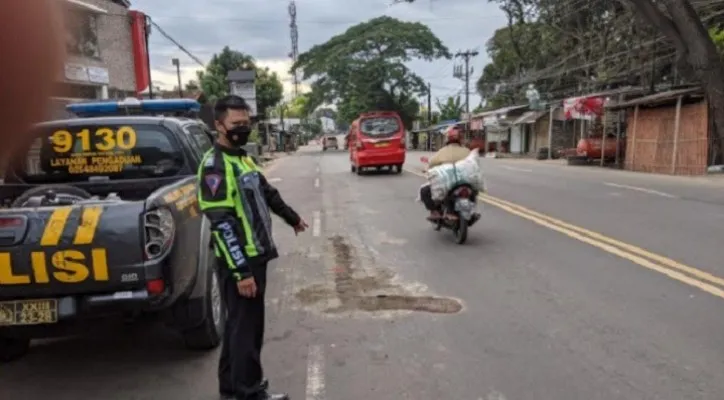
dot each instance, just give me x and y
(715, 180)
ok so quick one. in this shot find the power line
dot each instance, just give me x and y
(179, 45)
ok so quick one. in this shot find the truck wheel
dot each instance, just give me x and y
(12, 349)
(352, 168)
(209, 334)
(398, 168)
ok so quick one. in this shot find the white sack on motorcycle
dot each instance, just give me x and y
(444, 177)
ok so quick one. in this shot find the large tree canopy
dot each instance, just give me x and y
(269, 89)
(363, 69)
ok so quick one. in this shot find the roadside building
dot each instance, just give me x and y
(104, 54)
(668, 132)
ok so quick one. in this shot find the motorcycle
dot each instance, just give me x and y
(459, 211)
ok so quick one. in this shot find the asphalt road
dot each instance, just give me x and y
(371, 303)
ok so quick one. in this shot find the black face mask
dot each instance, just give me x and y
(239, 135)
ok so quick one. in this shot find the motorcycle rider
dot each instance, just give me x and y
(452, 152)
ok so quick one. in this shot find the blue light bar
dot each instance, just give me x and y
(156, 106)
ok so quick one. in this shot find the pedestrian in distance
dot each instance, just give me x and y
(236, 197)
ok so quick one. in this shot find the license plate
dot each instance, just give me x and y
(28, 312)
(382, 144)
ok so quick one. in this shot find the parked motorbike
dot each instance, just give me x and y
(459, 211)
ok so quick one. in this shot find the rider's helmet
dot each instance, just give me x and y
(453, 135)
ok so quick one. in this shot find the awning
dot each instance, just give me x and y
(88, 6)
(498, 111)
(528, 117)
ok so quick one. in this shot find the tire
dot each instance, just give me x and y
(12, 349)
(210, 333)
(40, 190)
(398, 169)
(461, 233)
(577, 160)
(352, 168)
(359, 171)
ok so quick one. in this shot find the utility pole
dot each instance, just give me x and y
(176, 63)
(147, 33)
(465, 75)
(294, 36)
(429, 104)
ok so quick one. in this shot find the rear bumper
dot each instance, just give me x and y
(373, 159)
(78, 313)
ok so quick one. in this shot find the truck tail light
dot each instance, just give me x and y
(159, 231)
(155, 286)
(403, 142)
(360, 145)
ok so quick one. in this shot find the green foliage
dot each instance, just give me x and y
(254, 136)
(312, 126)
(717, 36)
(451, 109)
(363, 69)
(269, 89)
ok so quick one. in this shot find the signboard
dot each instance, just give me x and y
(247, 90)
(82, 73)
(98, 75)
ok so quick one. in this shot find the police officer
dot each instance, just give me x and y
(237, 199)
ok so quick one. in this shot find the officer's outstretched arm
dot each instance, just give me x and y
(277, 204)
(217, 203)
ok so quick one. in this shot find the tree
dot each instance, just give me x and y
(696, 54)
(604, 47)
(269, 89)
(192, 85)
(363, 69)
(451, 109)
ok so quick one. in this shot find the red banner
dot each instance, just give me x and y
(140, 51)
(583, 107)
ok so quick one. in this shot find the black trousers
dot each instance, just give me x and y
(240, 371)
(426, 197)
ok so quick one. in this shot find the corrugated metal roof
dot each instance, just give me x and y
(656, 98)
(529, 117)
(503, 110)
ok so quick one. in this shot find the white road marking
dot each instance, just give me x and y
(316, 183)
(272, 180)
(640, 189)
(316, 224)
(315, 373)
(517, 169)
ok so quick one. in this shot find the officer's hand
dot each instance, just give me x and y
(247, 287)
(301, 226)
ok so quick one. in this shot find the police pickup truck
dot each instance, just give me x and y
(100, 220)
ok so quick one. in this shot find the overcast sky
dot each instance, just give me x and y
(261, 29)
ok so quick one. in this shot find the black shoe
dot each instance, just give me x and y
(230, 396)
(268, 396)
